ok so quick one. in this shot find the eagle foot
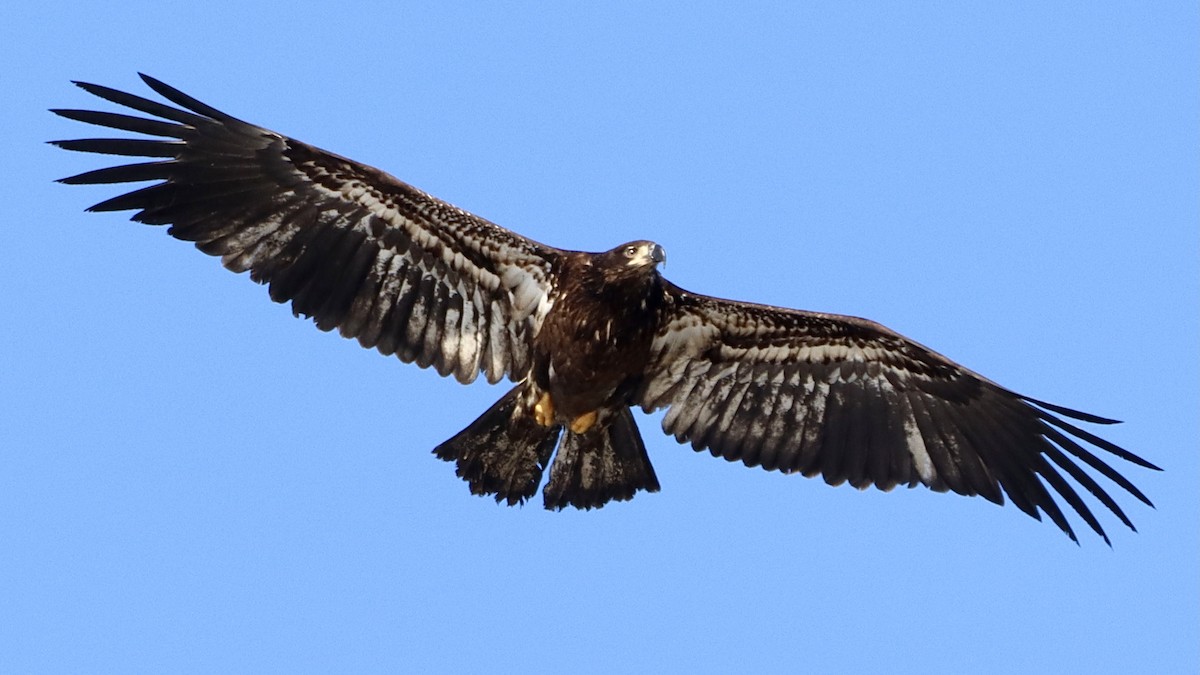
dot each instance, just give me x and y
(584, 422)
(543, 411)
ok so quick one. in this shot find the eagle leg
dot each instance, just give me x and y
(605, 463)
(504, 452)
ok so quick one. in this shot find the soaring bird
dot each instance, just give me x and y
(585, 336)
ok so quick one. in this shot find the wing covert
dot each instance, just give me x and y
(347, 244)
(852, 401)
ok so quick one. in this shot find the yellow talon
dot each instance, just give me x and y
(543, 411)
(584, 422)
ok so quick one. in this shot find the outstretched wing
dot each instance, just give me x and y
(349, 245)
(853, 401)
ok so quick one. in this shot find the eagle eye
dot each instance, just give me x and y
(630, 251)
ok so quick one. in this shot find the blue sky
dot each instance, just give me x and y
(192, 480)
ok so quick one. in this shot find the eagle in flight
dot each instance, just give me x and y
(585, 336)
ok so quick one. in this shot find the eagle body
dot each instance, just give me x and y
(583, 358)
(584, 373)
(585, 337)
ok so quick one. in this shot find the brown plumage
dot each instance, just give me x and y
(585, 336)
(589, 357)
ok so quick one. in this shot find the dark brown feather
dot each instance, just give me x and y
(863, 405)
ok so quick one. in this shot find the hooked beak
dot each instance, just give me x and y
(658, 254)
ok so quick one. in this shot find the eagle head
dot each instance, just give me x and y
(635, 262)
(639, 255)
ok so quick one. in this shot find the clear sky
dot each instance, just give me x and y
(193, 480)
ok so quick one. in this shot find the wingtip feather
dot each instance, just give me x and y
(152, 82)
(1072, 413)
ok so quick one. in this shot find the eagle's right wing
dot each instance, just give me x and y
(349, 245)
(850, 400)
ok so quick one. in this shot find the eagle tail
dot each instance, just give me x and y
(504, 452)
(605, 463)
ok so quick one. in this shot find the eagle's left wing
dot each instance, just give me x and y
(850, 400)
(347, 244)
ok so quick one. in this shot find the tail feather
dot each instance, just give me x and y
(500, 453)
(606, 463)
(505, 452)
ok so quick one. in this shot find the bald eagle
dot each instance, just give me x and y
(585, 336)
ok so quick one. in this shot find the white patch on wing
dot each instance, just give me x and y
(526, 297)
(545, 304)
(416, 320)
(497, 342)
(450, 342)
(468, 343)
(813, 413)
(916, 448)
(777, 422)
(529, 296)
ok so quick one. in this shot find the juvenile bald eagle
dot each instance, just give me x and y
(585, 336)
